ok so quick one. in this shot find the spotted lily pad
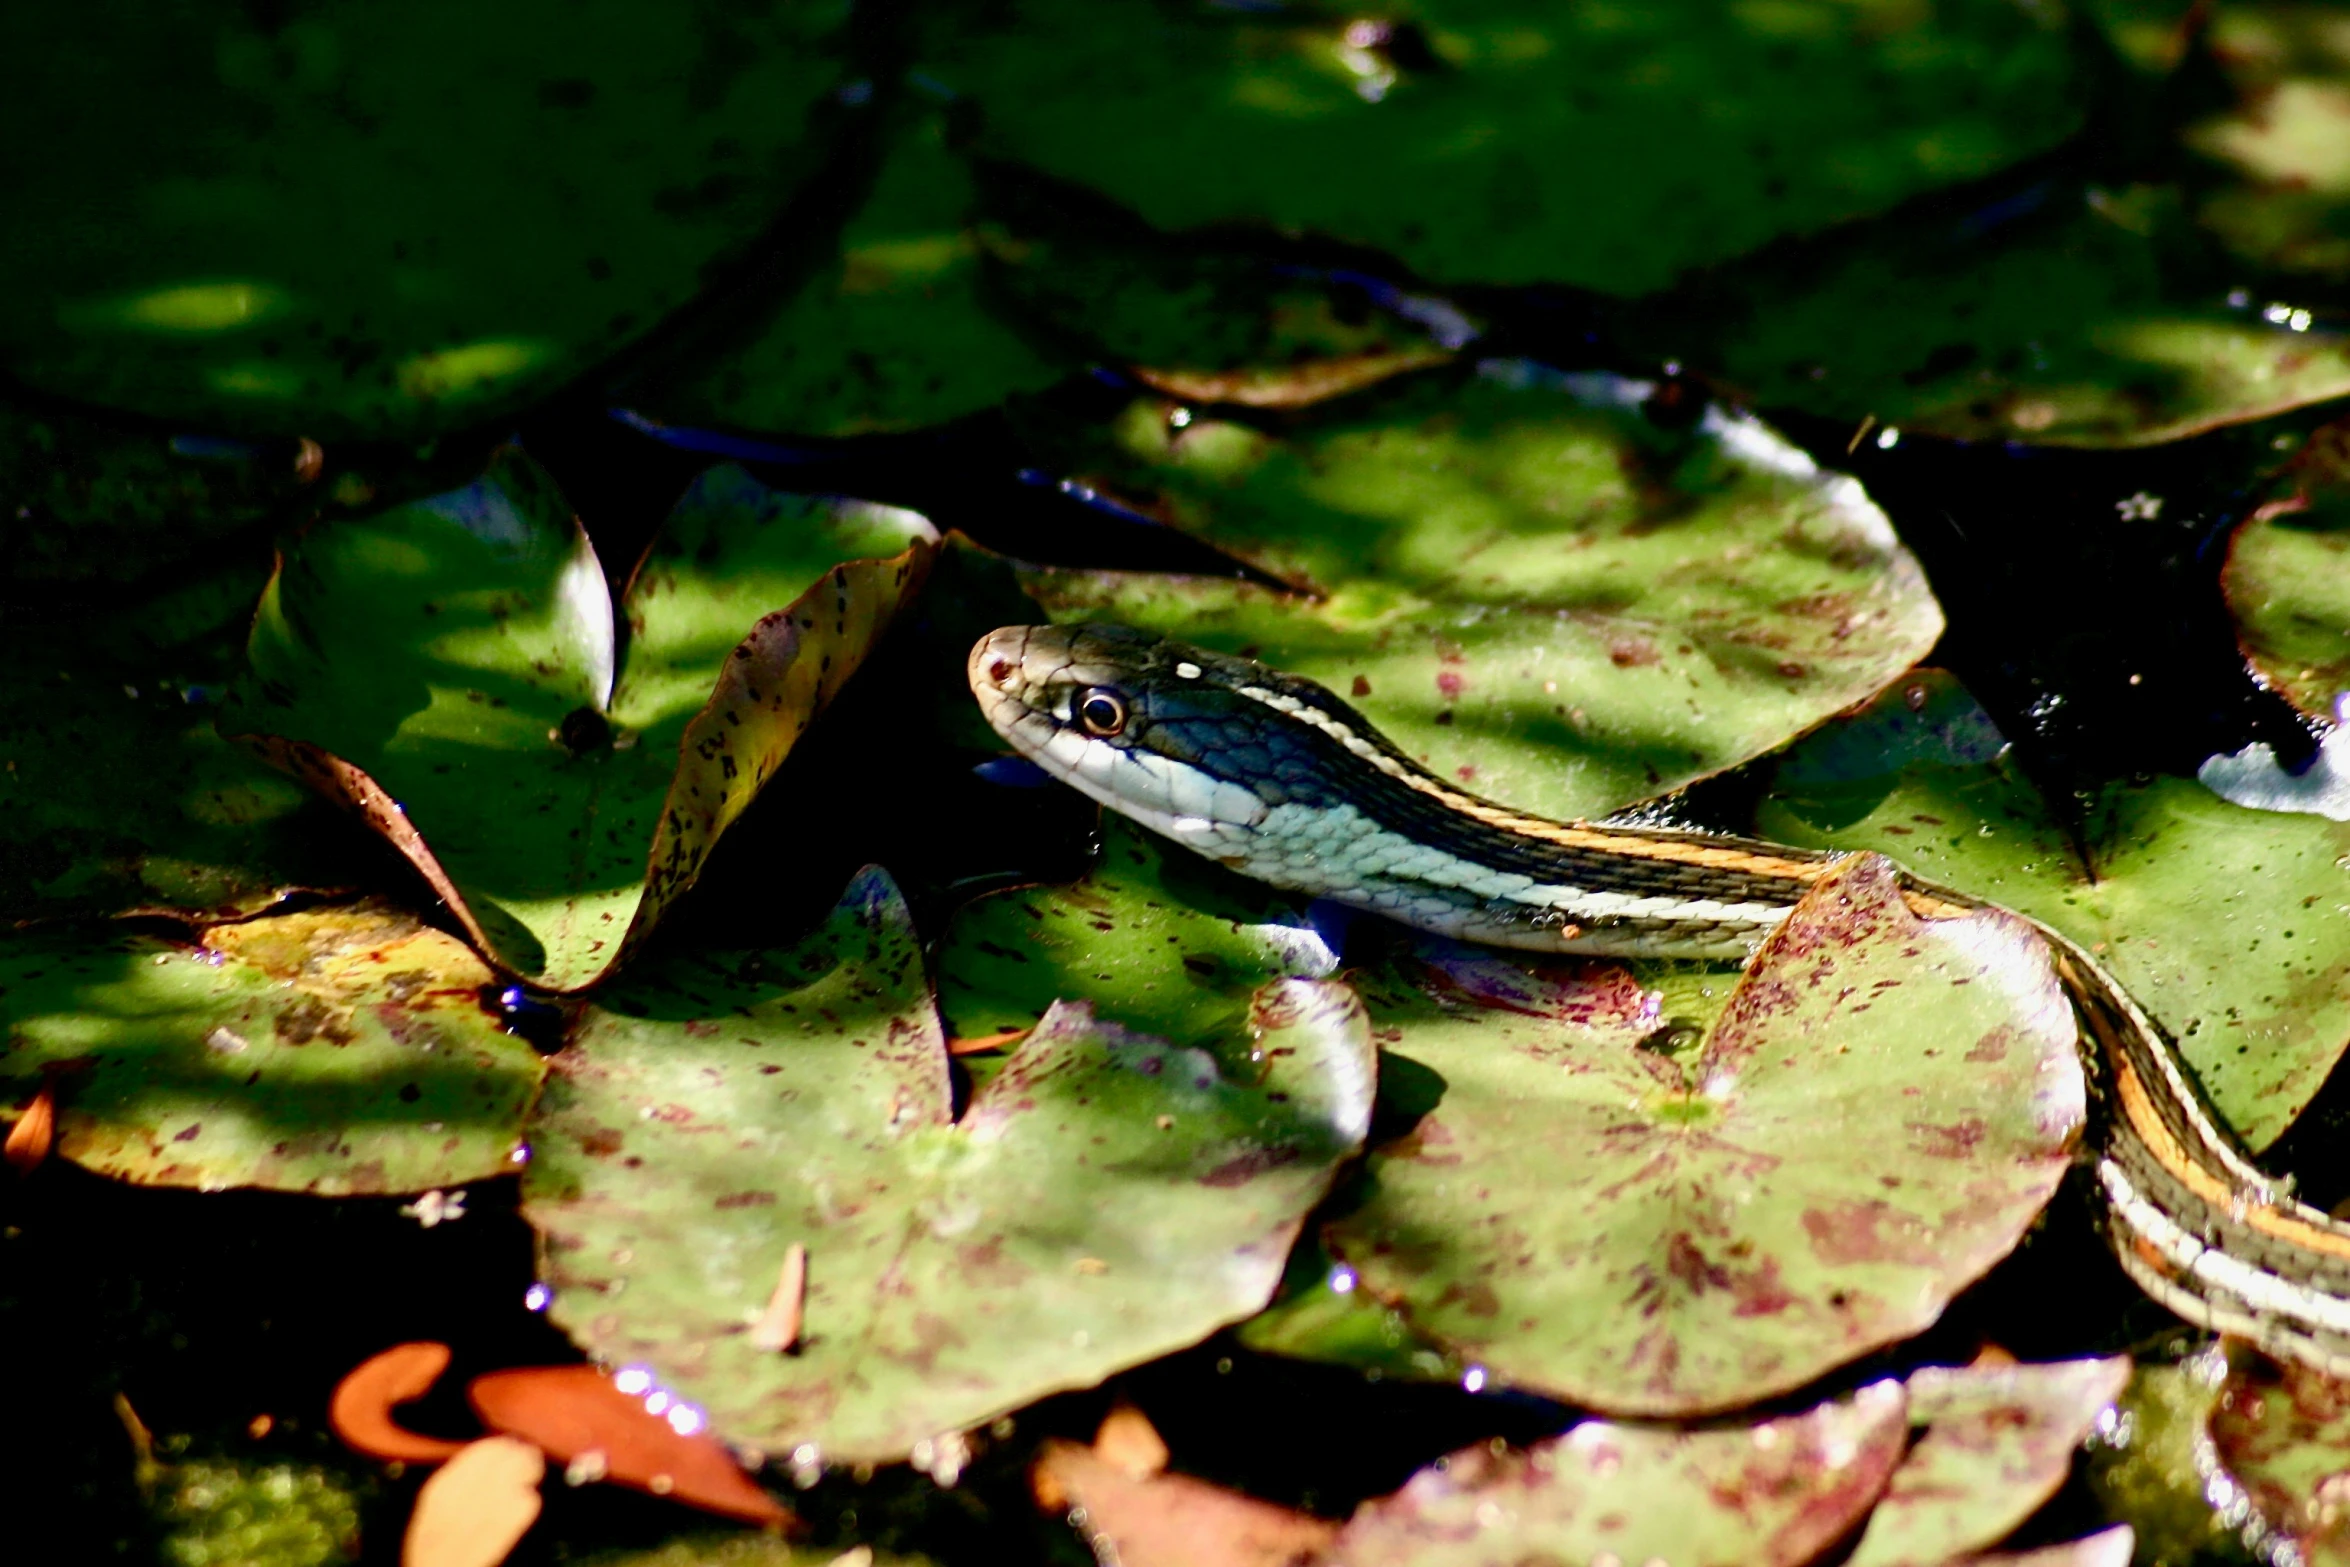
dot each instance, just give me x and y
(2221, 921)
(340, 1051)
(1596, 1211)
(451, 668)
(1523, 581)
(2288, 579)
(1499, 142)
(384, 221)
(1998, 1441)
(2283, 1433)
(1105, 1198)
(1775, 1494)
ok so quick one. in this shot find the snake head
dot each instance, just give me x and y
(1156, 729)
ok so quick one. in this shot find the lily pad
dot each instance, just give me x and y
(83, 501)
(1520, 579)
(118, 795)
(893, 333)
(1497, 142)
(1775, 1494)
(384, 222)
(1153, 939)
(2288, 579)
(2283, 1432)
(341, 1052)
(1105, 1198)
(451, 669)
(2282, 201)
(2220, 920)
(1592, 1213)
(2064, 315)
(1998, 1442)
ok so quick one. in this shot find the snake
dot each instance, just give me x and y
(1275, 777)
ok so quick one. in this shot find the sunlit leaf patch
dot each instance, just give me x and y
(453, 670)
(340, 1051)
(1525, 581)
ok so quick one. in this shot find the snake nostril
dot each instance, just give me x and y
(1000, 671)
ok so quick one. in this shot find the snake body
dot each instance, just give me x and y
(1277, 778)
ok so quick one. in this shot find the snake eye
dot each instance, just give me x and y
(1102, 711)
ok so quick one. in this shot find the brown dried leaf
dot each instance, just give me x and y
(361, 1412)
(477, 1507)
(573, 1410)
(1171, 1520)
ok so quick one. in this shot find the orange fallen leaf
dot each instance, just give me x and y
(30, 1138)
(1129, 1443)
(571, 1411)
(480, 1503)
(984, 1044)
(1172, 1520)
(364, 1400)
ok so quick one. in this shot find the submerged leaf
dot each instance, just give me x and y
(449, 669)
(1522, 580)
(343, 1052)
(2218, 919)
(1769, 1495)
(1881, 1110)
(1105, 1198)
(2288, 580)
(2283, 1432)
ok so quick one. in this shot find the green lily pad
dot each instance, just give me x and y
(1998, 1442)
(450, 669)
(1495, 142)
(1774, 1494)
(2095, 319)
(1523, 582)
(383, 222)
(1154, 939)
(2282, 201)
(893, 333)
(342, 1052)
(2220, 920)
(2282, 1431)
(1202, 319)
(118, 795)
(1596, 1214)
(82, 501)
(1103, 1199)
(2288, 579)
